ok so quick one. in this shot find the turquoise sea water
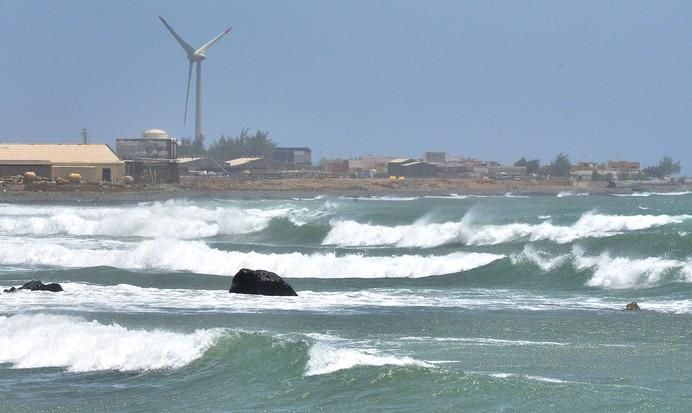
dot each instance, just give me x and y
(454, 303)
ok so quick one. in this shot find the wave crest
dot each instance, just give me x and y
(198, 257)
(427, 235)
(42, 340)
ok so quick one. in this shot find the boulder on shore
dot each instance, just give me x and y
(36, 285)
(633, 306)
(260, 282)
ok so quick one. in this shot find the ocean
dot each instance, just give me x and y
(406, 303)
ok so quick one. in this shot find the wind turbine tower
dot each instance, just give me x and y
(195, 56)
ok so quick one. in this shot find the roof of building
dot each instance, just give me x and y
(241, 161)
(183, 160)
(292, 148)
(72, 154)
(402, 160)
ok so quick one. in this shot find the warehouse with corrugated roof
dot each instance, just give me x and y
(94, 162)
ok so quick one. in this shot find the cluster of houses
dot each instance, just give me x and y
(152, 158)
(432, 164)
(612, 171)
(441, 164)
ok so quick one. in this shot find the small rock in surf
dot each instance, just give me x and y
(36, 285)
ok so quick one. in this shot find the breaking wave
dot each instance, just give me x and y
(427, 235)
(326, 359)
(331, 354)
(171, 219)
(198, 257)
(42, 340)
(611, 272)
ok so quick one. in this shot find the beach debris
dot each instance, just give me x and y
(36, 285)
(259, 282)
(633, 306)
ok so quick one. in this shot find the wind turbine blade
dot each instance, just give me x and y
(189, 49)
(208, 44)
(187, 95)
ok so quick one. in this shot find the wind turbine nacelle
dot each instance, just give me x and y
(197, 56)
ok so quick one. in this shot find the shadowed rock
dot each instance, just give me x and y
(633, 306)
(260, 282)
(36, 285)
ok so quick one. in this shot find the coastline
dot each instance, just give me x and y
(253, 189)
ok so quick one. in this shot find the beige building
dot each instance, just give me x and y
(94, 162)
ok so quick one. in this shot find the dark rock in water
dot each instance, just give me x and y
(54, 287)
(633, 306)
(260, 282)
(35, 285)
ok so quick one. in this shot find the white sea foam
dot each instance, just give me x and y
(42, 340)
(330, 354)
(133, 299)
(544, 260)
(648, 194)
(450, 196)
(198, 257)
(171, 219)
(426, 234)
(485, 341)
(622, 272)
(533, 378)
(615, 272)
(381, 198)
(565, 194)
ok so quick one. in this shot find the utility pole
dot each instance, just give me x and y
(85, 135)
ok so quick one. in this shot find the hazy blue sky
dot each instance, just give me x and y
(489, 79)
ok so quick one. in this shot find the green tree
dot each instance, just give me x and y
(561, 166)
(243, 146)
(666, 167)
(532, 166)
(521, 162)
(198, 145)
(187, 148)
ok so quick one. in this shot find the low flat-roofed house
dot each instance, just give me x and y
(624, 165)
(94, 162)
(435, 157)
(506, 172)
(338, 167)
(411, 168)
(255, 165)
(418, 169)
(201, 166)
(298, 156)
(395, 166)
(581, 174)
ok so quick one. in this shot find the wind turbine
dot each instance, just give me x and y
(195, 56)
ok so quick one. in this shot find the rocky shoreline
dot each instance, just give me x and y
(225, 188)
